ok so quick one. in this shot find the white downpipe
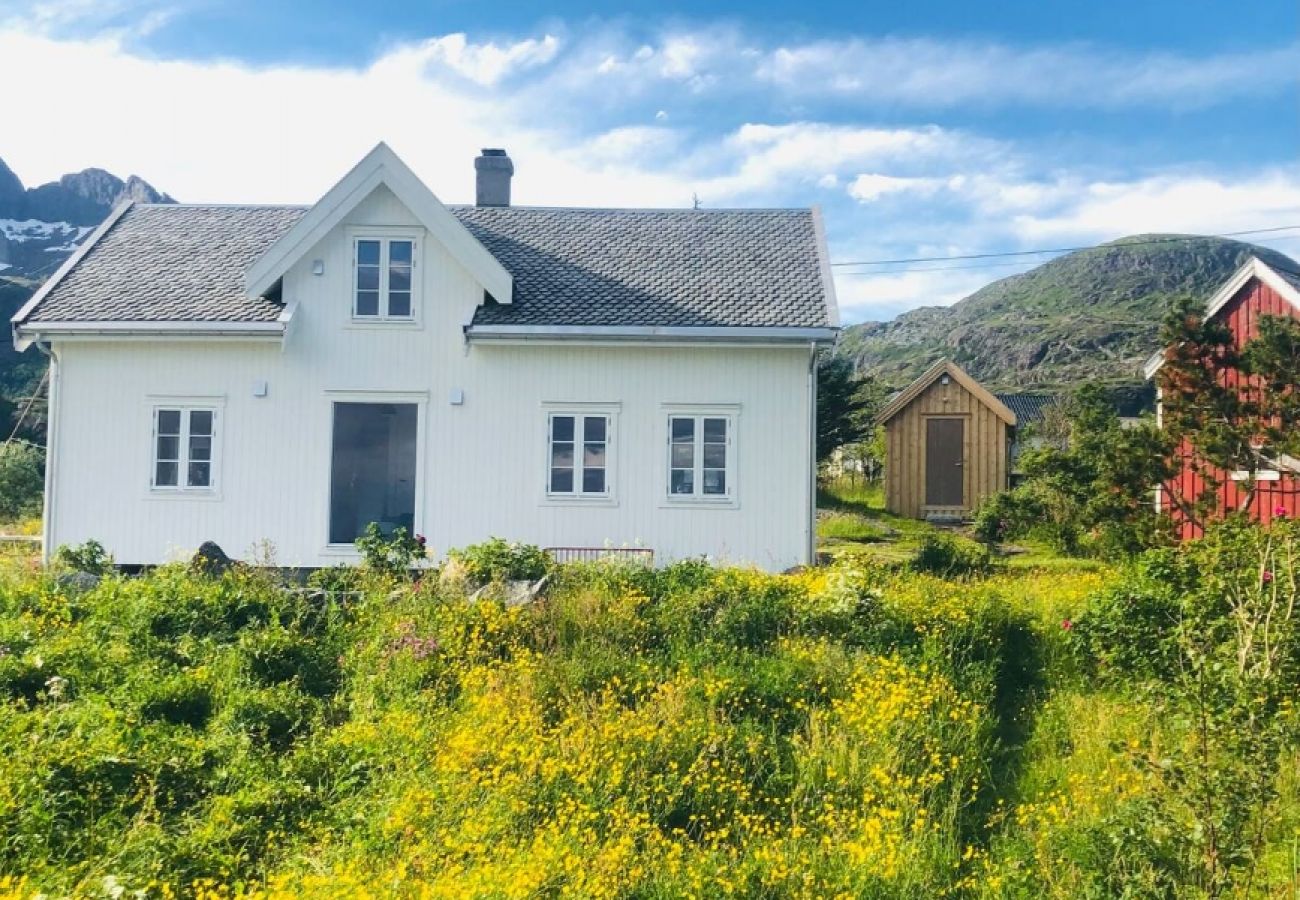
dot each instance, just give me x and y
(51, 452)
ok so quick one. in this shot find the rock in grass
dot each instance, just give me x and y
(210, 559)
(77, 582)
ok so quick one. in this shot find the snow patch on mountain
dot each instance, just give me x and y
(20, 231)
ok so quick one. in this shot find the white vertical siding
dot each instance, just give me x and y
(483, 462)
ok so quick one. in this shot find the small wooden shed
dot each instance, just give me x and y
(947, 445)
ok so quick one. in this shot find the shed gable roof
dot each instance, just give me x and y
(914, 390)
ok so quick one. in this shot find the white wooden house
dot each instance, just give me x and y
(568, 377)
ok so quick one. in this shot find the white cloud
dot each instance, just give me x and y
(941, 74)
(1193, 202)
(487, 63)
(872, 186)
(881, 297)
(228, 131)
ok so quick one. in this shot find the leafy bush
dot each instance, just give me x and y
(90, 557)
(1131, 627)
(390, 554)
(946, 554)
(499, 560)
(22, 480)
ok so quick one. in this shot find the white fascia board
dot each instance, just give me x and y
(380, 166)
(1251, 268)
(719, 334)
(824, 261)
(21, 342)
(42, 331)
(1153, 364)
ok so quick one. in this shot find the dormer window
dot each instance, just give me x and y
(383, 285)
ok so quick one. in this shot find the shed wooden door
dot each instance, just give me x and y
(945, 478)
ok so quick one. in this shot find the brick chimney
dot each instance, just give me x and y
(493, 169)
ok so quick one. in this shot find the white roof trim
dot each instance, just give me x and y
(1251, 268)
(380, 166)
(22, 342)
(824, 260)
(741, 334)
(35, 331)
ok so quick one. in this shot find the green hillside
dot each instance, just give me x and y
(1090, 315)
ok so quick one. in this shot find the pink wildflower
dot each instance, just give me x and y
(1067, 624)
(1267, 576)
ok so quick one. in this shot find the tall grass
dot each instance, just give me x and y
(852, 731)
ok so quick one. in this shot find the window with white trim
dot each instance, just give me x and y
(578, 460)
(383, 282)
(700, 457)
(184, 448)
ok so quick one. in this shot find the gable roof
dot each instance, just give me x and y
(380, 166)
(1286, 283)
(904, 397)
(1028, 408)
(733, 274)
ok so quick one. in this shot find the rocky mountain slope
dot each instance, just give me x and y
(1090, 315)
(40, 226)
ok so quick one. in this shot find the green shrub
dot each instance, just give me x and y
(499, 560)
(392, 554)
(278, 655)
(179, 699)
(89, 557)
(1131, 627)
(946, 554)
(275, 716)
(22, 480)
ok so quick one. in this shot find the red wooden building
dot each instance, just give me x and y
(1254, 291)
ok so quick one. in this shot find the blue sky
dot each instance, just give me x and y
(920, 128)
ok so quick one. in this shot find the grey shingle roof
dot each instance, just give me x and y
(616, 267)
(654, 267)
(1029, 408)
(171, 263)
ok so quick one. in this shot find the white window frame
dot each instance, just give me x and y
(332, 396)
(186, 407)
(385, 237)
(1257, 475)
(730, 414)
(581, 411)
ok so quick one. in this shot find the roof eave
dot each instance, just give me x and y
(18, 318)
(927, 378)
(31, 332)
(651, 334)
(824, 264)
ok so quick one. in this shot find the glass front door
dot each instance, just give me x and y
(372, 475)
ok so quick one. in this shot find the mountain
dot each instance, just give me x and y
(40, 226)
(1091, 315)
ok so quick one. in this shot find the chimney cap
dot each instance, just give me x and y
(493, 151)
